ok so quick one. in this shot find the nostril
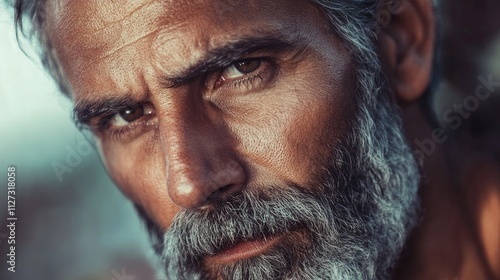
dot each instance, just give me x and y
(225, 192)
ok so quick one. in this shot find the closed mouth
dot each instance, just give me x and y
(244, 250)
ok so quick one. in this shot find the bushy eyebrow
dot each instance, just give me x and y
(215, 59)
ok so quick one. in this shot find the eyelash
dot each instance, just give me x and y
(247, 82)
(129, 131)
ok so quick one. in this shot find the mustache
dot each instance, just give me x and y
(250, 215)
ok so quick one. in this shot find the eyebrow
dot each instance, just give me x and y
(232, 51)
(217, 58)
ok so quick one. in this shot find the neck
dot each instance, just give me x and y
(458, 236)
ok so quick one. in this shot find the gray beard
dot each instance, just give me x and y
(353, 222)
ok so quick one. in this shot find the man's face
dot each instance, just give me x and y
(222, 129)
(197, 105)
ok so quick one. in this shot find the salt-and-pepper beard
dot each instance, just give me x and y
(352, 225)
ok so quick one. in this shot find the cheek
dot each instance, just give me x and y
(318, 125)
(138, 169)
(311, 132)
(286, 133)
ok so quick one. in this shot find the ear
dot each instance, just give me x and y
(406, 46)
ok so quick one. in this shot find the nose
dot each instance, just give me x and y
(201, 164)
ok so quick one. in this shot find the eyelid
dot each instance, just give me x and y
(267, 64)
(130, 131)
(101, 126)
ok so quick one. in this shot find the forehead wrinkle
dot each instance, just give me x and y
(172, 46)
(136, 28)
(106, 23)
(116, 35)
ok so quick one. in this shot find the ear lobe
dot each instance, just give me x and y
(406, 46)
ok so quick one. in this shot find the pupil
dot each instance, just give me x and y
(248, 66)
(132, 113)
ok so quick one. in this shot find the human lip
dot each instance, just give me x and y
(243, 250)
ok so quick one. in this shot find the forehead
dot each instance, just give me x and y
(102, 36)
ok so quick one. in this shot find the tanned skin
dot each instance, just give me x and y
(200, 132)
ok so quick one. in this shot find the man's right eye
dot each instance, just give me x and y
(128, 122)
(127, 115)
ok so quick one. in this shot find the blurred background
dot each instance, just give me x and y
(73, 224)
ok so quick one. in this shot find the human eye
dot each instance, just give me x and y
(246, 74)
(127, 122)
(241, 68)
(128, 115)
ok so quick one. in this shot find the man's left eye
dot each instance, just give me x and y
(241, 68)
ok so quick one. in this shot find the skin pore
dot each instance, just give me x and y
(180, 125)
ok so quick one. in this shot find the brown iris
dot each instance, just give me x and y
(247, 66)
(131, 114)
